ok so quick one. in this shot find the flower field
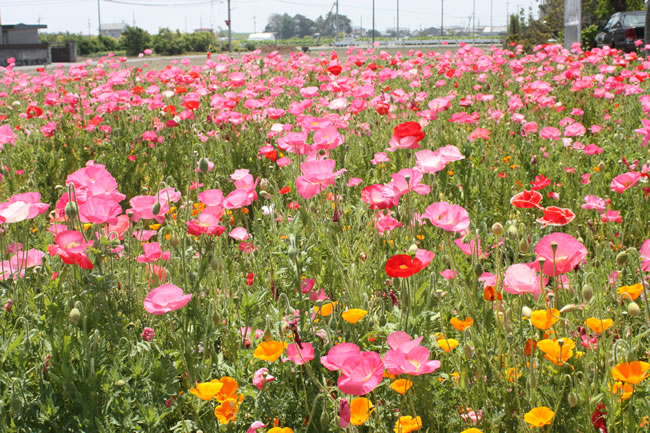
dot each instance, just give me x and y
(436, 242)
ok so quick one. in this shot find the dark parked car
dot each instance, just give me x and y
(622, 29)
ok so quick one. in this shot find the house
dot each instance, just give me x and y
(113, 30)
(20, 42)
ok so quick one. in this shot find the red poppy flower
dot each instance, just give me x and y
(285, 190)
(382, 108)
(556, 216)
(402, 266)
(408, 129)
(530, 347)
(335, 69)
(526, 199)
(540, 182)
(250, 278)
(598, 418)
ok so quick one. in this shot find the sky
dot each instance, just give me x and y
(247, 16)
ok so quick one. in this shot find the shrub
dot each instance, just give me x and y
(134, 40)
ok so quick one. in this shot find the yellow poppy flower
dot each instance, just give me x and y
(401, 386)
(353, 315)
(544, 319)
(269, 350)
(207, 390)
(539, 416)
(360, 410)
(598, 325)
(631, 372)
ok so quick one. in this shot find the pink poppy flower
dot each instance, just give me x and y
(261, 378)
(625, 181)
(7, 136)
(595, 203)
(21, 207)
(15, 267)
(379, 157)
(338, 354)
(448, 274)
(207, 223)
(592, 149)
(434, 161)
(345, 413)
(569, 253)
(165, 298)
(482, 133)
(574, 130)
(98, 210)
(327, 138)
(317, 175)
(550, 133)
(522, 278)
(385, 223)
(540, 182)
(645, 255)
(298, 355)
(424, 256)
(379, 196)
(645, 131)
(449, 217)
(70, 245)
(611, 216)
(256, 425)
(152, 253)
(361, 374)
(407, 356)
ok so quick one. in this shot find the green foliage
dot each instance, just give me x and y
(201, 41)
(588, 37)
(135, 40)
(169, 43)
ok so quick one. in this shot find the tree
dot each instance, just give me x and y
(134, 40)
(168, 42)
(304, 26)
(283, 26)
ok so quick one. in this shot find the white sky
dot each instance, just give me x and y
(76, 16)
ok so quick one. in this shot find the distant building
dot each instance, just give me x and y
(203, 30)
(495, 30)
(113, 30)
(261, 37)
(20, 42)
(358, 31)
(402, 31)
(20, 33)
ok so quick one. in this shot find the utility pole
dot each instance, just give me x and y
(254, 25)
(99, 19)
(442, 16)
(398, 20)
(473, 21)
(229, 30)
(336, 22)
(491, 28)
(373, 23)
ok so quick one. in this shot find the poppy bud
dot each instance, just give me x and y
(633, 309)
(203, 165)
(587, 292)
(174, 240)
(621, 258)
(573, 399)
(292, 252)
(526, 312)
(214, 263)
(512, 233)
(264, 184)
(324, 420)
(478, 270)
(497, 229)
(532, 381)
(413, 249)
(120, 383)
(74, 316)
(71, 210)
(78, 305)
(156, 208)
(601, 166)
(524, 245)
(468, 351)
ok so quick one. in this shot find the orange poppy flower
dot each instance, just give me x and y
(472, 430)
(557, 351)
(207, 390)
(491, 294)
(598, 325)
(406, 424)
(512, 374)
(544, 319)
(229, 390)
(631, 372)
(226, 411)
(353, 315)
(360, 410)
(631, 292)
(326, 309)
(401, 386)
(269, 350)
(539, 416)
(461, 325)
(624, 389)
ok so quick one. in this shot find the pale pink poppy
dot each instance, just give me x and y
(98, 210)
(379, 158)
(256, 425)
(645, 131)
(448, 274)
(327, 138)
(424, 256)
(239, 233)
(434, 161)
(407, 180)
(21, 207)
(550, 133)
(15, 267)
(316, 176)
(354, 181)
(300, 355)
(165, 298)
(523, 278)
(449, 217)
(625, 181)
(645, 255)
(345, 413)
(407, 356)
(574, 130)
(569, 253)
(207, 223)
(385, 223)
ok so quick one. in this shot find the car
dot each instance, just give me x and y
(622, 29)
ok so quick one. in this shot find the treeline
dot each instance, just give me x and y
(299, 26)
(135, 40)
